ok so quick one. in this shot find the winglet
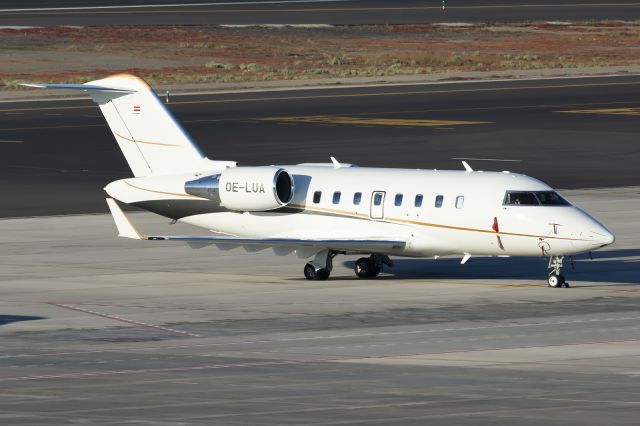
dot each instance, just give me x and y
(336, 163)
(125, 227)
(466, 257)
(467, 167)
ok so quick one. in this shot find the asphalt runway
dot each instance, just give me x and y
(174, 12)
(102, 330)
(56, 156)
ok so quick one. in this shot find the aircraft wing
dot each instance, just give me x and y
(280, 245)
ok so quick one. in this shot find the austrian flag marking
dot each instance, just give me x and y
(136, 109)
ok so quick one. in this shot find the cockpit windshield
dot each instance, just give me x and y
(551, 198)
(536, 198)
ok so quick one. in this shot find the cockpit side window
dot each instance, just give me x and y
(551, 198)
(538, 198)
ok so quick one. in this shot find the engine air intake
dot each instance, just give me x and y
(284, 186)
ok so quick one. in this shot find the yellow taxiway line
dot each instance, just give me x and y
(606, 111)
(324, 119)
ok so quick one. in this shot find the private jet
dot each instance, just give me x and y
(321, 210)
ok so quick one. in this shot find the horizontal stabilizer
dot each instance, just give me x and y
(372, 245)
(77, 87)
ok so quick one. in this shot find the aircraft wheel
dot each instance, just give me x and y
(556, 281)
(322, 274)
(362, 267)
(366, 268)
(375, 271)
(312, 274)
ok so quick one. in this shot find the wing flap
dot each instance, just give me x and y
(280, 245)
(257, 244)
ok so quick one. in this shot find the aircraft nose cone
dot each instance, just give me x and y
(609, 239)
(603, 236)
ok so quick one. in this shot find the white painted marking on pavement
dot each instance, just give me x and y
(335, 336)
(75, 375)
(484, 159)
(171, 5)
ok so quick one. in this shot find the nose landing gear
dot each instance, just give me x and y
(556, 279)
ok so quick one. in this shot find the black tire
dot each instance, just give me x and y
(310, 272)
(322, 274)
(362, 267)
(366, 268)
(556, 281)
(562, 280)
(374, 272)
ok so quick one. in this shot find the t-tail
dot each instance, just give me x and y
(150, 138)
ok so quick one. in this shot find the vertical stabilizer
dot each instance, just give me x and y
(151, 140)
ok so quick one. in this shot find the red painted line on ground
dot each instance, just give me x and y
(124, 320)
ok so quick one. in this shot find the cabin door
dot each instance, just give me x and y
(377, 205)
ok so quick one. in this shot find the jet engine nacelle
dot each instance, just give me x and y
(246, 188)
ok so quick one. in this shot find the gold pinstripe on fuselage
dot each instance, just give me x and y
(343, 213)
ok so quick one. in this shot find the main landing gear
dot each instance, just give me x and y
(556, 279)
(370, 267)
(365, 267)
(321, 265)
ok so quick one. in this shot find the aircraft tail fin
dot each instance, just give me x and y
(150, 138)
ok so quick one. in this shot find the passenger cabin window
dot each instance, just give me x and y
(317, 196)
(336, 197)
(357, 197)
(418, 202)
(537, 198)
(459, 201)
(377, 199)
(398, 200)
(439, 201)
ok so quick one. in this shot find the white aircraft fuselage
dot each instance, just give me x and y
(471, 216)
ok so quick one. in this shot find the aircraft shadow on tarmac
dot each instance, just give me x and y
(8, 319)
(607, 267)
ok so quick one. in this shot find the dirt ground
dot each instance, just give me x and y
(205, 54)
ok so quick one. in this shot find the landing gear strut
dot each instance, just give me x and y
(321, 265)
(556, 279)
(370, 267)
